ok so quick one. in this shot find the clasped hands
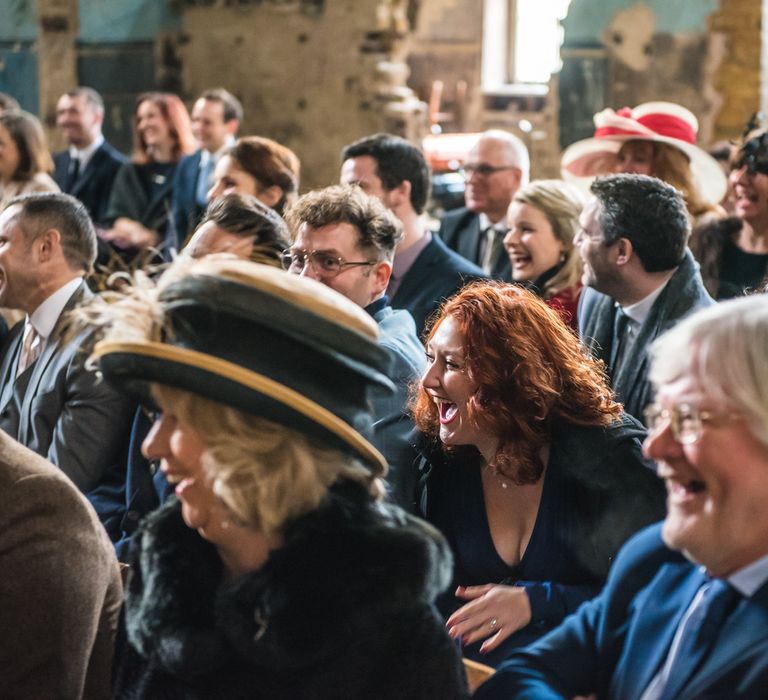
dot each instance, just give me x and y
(495, 611)
(127, 233)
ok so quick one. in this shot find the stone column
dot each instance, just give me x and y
(58, 30)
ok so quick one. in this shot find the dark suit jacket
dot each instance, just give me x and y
(438, 273)
(60, 584)
(185, 211)
(130, 199)
(64, 412)
(684, 294)
(392, 422)
(94, 185)
(613, 646)
(460, 229)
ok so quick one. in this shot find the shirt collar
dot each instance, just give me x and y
(485, 222)
(639, 311)
(84, 155)
(45, 316)
(404, 261)
(749, 579)
(205, 156)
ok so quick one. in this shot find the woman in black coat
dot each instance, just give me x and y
(277, 571)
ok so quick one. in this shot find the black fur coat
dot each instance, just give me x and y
(342, 610)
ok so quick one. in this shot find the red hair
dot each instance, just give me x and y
(530, 370)
(176, 116)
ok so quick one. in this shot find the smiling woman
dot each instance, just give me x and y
(137, 215)
(531, 470)
(277, 571)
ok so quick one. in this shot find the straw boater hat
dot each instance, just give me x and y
(664, 122)
(250, 336)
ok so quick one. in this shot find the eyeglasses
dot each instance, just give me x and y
(322, 263)
(483, 169)
(686, 421)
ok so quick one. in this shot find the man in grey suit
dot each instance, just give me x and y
(59, 581)
(49, 400)
(633, 241)
(346, 240)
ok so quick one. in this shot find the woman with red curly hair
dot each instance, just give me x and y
(530, 468)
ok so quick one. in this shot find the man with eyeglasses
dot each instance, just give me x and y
(346, 240)
(640, 278)
(684, 614)
(425, 271)
(497, 166)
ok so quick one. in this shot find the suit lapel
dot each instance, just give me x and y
(9, 364)
(745, 633)
(469, 241)
(89, 172)
(655, 618)
(418, 275)
(52, 346)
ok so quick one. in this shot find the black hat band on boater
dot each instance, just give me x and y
(281, 347)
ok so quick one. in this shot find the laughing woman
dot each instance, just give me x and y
(277, 572)
(531, 470)
(137, 215)
(543, 220)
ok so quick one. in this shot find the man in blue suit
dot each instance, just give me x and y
(424, 271)
(641, 278)
(346, 239)
(88, 167)
(216, 117)
(684, 614)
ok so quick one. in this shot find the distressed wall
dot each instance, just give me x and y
(312, 76)
(703, 54)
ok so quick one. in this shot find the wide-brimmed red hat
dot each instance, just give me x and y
(664, 122)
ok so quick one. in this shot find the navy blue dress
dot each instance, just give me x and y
(598, 490)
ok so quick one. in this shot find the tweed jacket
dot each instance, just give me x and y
(60, 590)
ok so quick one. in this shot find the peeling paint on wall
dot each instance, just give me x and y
(628, 36)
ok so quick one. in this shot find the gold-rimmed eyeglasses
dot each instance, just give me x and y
(686, 421)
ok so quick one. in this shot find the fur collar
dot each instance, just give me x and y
(342, 563)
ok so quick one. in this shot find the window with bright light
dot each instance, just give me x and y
(521, 40)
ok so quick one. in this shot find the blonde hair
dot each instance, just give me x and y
(561, 203)
(265, 473)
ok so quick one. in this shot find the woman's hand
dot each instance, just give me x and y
(496, 611)
(127, 233)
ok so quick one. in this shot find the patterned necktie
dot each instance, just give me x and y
(697, 634)
(31, 345)
(203, 182)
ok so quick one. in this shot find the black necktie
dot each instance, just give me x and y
(698, 634)
(72, 174)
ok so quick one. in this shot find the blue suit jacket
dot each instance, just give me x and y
(614, 645)
(460, 229)
(684, 294)
(185, 211)
(95, 182)
(392, 422)
(438, 273)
